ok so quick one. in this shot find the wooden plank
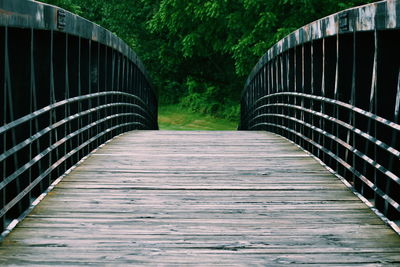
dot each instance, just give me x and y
(208, 198)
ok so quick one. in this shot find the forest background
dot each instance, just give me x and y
(199, 52)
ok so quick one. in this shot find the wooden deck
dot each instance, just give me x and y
(203, 198)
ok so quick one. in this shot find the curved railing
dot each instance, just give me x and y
(66, 86)
(333, 87)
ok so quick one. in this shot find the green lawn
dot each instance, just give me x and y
(173, 117)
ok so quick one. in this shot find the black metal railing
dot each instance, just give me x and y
(333, 87)
(67, 86)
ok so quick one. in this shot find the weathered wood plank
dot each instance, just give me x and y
(208, 198)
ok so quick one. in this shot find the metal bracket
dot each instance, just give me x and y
(344, 23)
(61, 22)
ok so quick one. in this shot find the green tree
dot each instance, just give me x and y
(199, 52)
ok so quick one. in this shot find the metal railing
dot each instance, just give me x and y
(67, 86)
(333, 87)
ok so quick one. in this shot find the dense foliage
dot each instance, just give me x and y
(199, 52)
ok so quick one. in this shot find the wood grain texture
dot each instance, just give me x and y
(201, 198)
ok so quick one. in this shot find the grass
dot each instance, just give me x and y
(173, 117)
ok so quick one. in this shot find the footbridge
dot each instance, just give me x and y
(312, 177)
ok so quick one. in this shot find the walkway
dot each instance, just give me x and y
(206, 198)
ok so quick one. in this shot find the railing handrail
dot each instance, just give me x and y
(352, 19)
(41, 111)
(67, 86)
(360, 111)
(43, 16)
(333, 87)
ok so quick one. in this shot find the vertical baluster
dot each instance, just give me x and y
(35, 99)
(10, 108)
(263, 93)
(31, 109)
(336, 97)
(396, 119)
(256, 86)
(281, 109)
(125, 87)
(53, 118)
(67, 111)
(313, 150)
(302, 118)
(80, 122)
(251, 102)
(267, 90)
(351, 134)
(105, 89)
(134, 84)
(371, 128)
(112, 100)
(119, 89)
(295, 98)
(287, 89)
(98, 141)
(274, 90)
(394, 161)
(322, 138)
(259, 95)
(124, 110)
(4, 121)
(89, 91)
